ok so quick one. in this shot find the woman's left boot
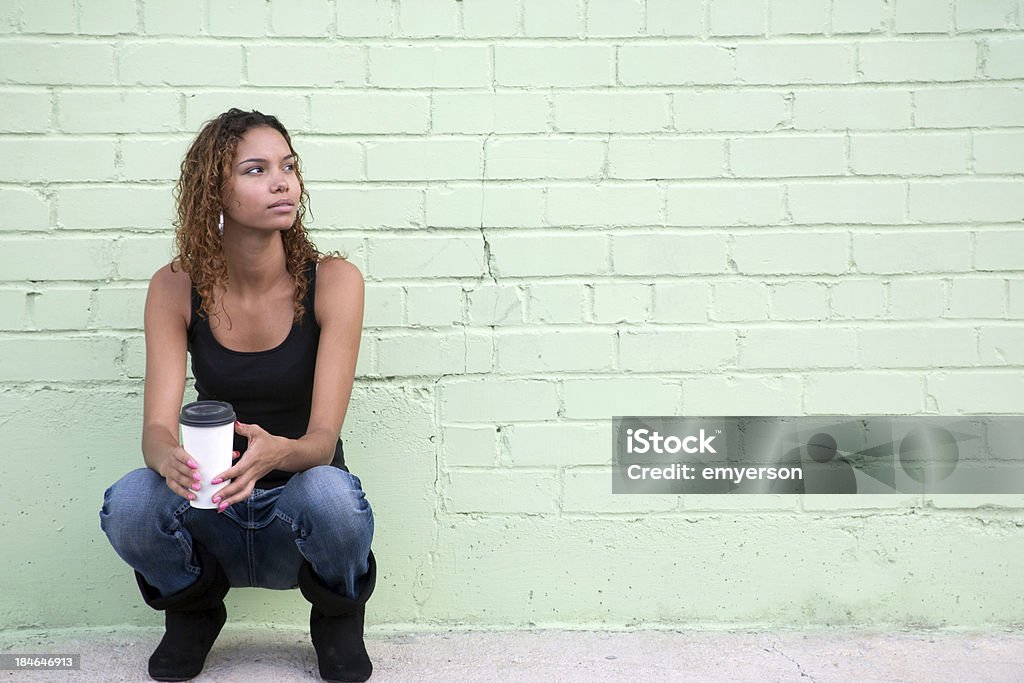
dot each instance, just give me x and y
(336, 625)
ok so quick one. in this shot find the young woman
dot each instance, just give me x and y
(273, 328)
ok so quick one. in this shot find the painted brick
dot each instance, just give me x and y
(173, 63)
(999, 250)
(798, 16)
(329, 159)
(434, 305)
(857, 299)
(68, 258)
(201, 107)
(429, 354)
(470, 445)
(604, 398)
(563, 254)
(1005, 58)
(604, 205)
(60, 308)
(173, 17)
(490, 205)
(795, 63)
(368, 207)
(971, 16)
(744, 395)
(959, 107)
(137, 257)
(501, 492)
(729, 110)
(735, 203)
(463, 66)
(799, 301)
(556, 302)
(776, 157)
(918, 347)
(133, 359)
(657, 158)
(366, 362)
(977, 297)
(538, 66)
(38, 358)
(622, 302)
(907, 154)
(428, 19)
(923, 16)
(417, 257)
(504, 112)
(934, 60)
(681, 302)
(107, 18)
(301, 17)
(561, 444)
(912, 252)
(964, 201)
(498, 400)
(122, 111)
(55, 16)
(25, 111)
(30, 62)
(555, 350)
(383, 305)
(791, 252)
(673, 350)
(675, 65)
(424, 159)
(848, 202)
(13, 309)
(864, 393)
(247, 18)
(614, 17)
(365, 18)
(1016, 298)
(917, 299)
(736, 17)
(55, 158)
(552, 18)
(739, 300)
(611, 112)
(998, 152)
(509, 158)
(24, 209)
(312, 66)
(977, 392)
(120, 308)
(799, 347)
(836, 109)
(674, 18)
(495, 305)
(858, 16)
(1003, 345)
(669, 254)
(352, 248)
(136, 207)
(591, 491)
(481, 18)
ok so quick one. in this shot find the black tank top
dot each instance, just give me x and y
(272, 388)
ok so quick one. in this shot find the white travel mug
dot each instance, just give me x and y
(208, 434)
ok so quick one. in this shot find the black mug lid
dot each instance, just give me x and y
(207, 414)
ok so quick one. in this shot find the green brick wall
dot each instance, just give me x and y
(564, 210)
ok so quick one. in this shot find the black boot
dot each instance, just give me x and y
(336, 626)
(193, 618)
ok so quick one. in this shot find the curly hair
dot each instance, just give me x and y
(198, 195)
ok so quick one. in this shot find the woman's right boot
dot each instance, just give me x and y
(193, 618)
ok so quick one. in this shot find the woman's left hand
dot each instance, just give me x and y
(264, 453)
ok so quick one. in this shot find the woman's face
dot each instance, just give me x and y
(262, 190)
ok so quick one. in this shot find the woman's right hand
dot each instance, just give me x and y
(181, 473)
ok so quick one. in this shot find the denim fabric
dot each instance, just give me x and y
(321, 515)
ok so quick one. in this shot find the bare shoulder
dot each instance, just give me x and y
(339, 289)
(171, 289)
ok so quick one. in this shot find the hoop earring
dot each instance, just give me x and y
(220, 224)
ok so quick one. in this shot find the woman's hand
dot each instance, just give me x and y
(264, 453)
(181, 472)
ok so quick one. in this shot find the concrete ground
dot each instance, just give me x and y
(257, 654)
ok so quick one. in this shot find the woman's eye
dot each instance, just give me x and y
(290, 167)
(254, 168)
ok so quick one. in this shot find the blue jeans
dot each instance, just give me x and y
(320, 515)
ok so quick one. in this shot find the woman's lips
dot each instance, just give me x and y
(282, 208)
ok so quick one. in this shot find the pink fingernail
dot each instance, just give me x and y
(195, 475)
(217, 480)
(192, 463)
(216, 499)
(195, 487)
(223, 506)
(191, 496)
